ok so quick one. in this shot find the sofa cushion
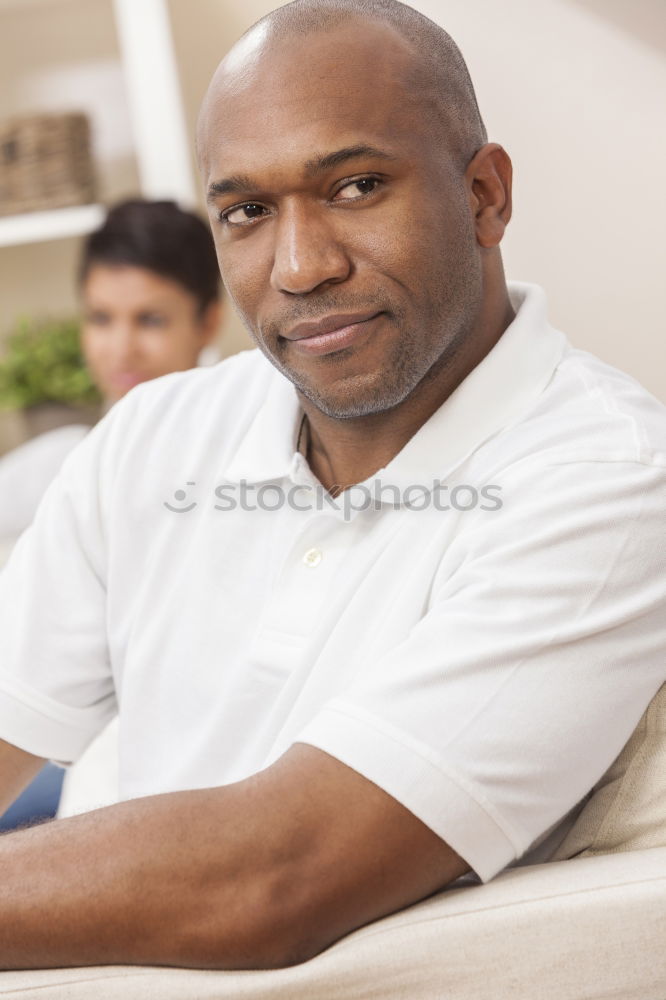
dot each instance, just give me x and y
(627, 808)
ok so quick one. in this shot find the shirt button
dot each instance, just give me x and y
(312, 557)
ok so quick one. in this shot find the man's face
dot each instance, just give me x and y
(343, 231)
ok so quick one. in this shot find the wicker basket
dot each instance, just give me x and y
(45, 162)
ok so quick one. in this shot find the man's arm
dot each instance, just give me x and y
(17, 769)
(263, 873)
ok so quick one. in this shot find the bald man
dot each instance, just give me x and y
(378, 602)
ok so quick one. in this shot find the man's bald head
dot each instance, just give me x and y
(437, 77)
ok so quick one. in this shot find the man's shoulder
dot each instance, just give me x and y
(609, 412)
(240, 378)
(590, 412)
(180, 414)
(218, 396)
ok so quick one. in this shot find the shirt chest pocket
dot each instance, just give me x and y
(274, 655)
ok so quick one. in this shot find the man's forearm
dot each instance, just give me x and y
(164, 880)
(263, 873)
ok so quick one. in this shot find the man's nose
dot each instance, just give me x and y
(307, 251)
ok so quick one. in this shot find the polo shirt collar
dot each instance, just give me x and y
(267, 451)
(502, 386)
(495, 393)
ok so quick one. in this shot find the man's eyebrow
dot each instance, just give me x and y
(242, 183)
(236, 184)
(328, 160)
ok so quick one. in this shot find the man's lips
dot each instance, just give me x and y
(330, 333)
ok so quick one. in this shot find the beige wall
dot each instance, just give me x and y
(576, 94)
(574, 89)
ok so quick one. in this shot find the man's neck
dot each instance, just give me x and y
(344, 452)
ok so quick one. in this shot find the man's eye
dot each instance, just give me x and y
(357, 189)
(242, 213)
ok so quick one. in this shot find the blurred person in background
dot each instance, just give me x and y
(151, 303)
(150, 297)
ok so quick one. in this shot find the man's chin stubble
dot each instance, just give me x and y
(361, 395)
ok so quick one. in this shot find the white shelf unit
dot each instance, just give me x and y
(157, 116)
(59, 223)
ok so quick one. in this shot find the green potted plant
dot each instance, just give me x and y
(43, 375)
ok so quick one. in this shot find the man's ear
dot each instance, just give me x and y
(488, 178)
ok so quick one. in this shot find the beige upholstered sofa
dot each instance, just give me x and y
(588, 925)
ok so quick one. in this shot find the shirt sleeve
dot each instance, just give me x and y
(540, 650)
(56, 687)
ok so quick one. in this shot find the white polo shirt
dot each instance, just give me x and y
(484, 664)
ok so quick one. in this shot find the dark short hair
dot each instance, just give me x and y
(160, 237)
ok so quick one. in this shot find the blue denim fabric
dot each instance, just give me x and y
(39, 800)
